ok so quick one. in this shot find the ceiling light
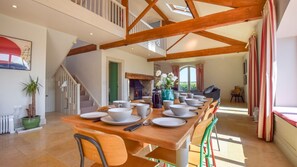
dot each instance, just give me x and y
(14, 6)
(91, 33)
(132, 48)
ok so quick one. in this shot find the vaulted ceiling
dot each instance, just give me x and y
(237, 22)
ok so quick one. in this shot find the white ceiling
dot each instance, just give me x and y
(140, 51)
(192, 42)
(31, 11)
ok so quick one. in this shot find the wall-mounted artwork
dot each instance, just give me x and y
(15, 53)
(245, 67)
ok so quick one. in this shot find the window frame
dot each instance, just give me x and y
(189, 77)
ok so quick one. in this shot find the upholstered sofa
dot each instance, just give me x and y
(210, 92)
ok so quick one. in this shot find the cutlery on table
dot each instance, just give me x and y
(136, 126)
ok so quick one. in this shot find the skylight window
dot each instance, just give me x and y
(179, 9)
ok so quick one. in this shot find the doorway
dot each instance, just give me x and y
(113, 82)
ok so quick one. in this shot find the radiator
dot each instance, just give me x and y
(6, 124)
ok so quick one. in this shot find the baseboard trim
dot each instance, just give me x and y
(289, 152)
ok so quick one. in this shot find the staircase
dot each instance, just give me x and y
(72, 97)
(87, 102)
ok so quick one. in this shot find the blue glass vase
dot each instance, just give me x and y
(167, 94)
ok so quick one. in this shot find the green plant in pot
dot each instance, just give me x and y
(31, 88)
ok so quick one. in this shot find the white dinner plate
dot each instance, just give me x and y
(169, 122)
(189, 114)
(130, 120)
(93, 115)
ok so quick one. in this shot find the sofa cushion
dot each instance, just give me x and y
(209, 89)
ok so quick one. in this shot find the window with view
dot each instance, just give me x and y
(187, 81)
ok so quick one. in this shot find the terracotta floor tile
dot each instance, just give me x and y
(54, 145)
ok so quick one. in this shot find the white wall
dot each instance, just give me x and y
(92, 69)
(286, 90)
(12, 99)
(130, 63)
(223, 72)
(87, 66)
(57, 47)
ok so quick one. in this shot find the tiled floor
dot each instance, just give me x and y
(54, 145)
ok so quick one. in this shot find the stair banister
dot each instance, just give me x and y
(71, 91)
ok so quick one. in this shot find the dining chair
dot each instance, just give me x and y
(208, 113)
(106, 150)
(133, 147)
(216, 107)
(197, 150)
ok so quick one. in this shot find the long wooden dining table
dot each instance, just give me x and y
(177, 138)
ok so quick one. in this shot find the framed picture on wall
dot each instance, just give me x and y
(15, 53)
(245, 66)
(244, 79)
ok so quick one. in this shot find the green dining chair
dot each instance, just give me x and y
(199, 149)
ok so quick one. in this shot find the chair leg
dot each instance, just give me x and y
(206, 159)
(212, 155)
(216, 132)
(231, 98)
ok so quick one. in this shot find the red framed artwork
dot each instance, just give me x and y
(15, 53)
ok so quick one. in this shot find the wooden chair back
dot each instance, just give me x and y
(208, 112)
(215, 103)
(200, 129)
(113, 147)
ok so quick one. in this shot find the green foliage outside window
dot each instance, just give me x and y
(184, 86)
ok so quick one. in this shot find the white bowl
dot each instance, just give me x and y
(119, 114)
(167, 103)
(179, 109)
(147, 99)
(121, 104)
(182, 98)
(199, 97)
(190, 95)
(192, 102)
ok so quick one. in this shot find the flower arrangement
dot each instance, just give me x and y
(165, 80)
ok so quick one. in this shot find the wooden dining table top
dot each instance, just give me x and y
(169, 138)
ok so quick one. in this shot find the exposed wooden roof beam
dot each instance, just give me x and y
(192, 8)
(83, 49)
(204, 52)
(158, 10)
(176, 42)
(210, 21)
(216, 37)
(233, 3)
(220, 38)
(151, 4)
